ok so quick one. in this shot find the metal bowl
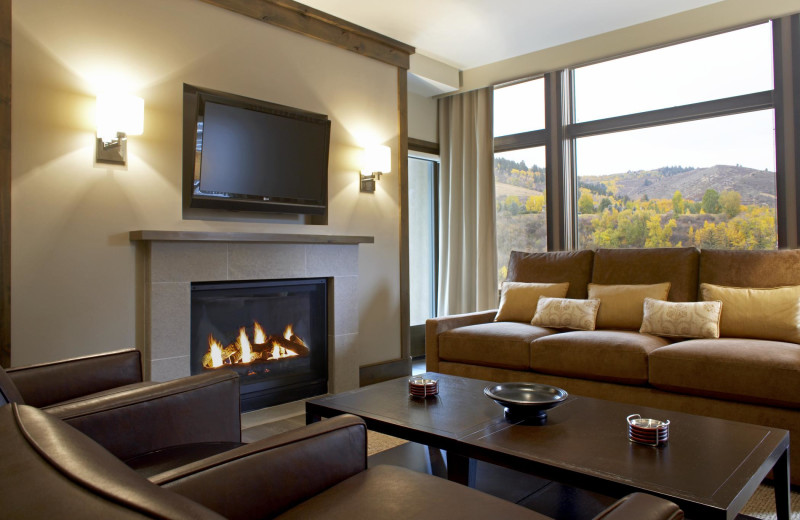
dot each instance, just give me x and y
(525, 399)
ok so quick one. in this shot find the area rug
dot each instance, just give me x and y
(762, 504)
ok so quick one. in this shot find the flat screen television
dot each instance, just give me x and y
(244, 154)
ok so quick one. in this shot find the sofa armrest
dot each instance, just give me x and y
(48, 383)
(265, 478)
(196, 409)
(436, 326)
(642, 507)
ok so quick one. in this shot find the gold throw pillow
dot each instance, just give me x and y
(566, 313)
(757, 313)
(518, 299)
(681, 319)
(621, 305)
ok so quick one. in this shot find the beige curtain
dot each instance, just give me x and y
(467, 249)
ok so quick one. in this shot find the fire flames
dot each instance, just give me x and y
(263, 348)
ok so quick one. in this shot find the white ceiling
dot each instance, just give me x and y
(470, 33)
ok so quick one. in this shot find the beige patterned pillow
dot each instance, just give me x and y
(566, 313)
(681, 319)
(518, 300)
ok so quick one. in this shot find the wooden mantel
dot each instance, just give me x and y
(218, 236)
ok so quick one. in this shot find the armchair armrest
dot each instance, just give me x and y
(436, 326)
(48, 383)
(196, 409)
(265, 478)
(642, 507)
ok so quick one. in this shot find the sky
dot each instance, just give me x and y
(730, 64)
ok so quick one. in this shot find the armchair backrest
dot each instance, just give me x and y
(8, 390)
(41, 454)
(49, 383)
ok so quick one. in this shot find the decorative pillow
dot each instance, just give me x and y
(681, 319)
(566, 313)
(621, 305)
(518, 299)
(757, 313)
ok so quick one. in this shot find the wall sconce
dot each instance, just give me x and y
(118, 116)
(377, 161)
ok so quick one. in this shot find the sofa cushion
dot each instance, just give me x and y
(574, 267)
(750, 268)
(600, 355)
(677, 265)
(504, 344)
(755, 371)
(681, 319)
(518, 299)
(566, 313)
(757, 313)
(621, 306)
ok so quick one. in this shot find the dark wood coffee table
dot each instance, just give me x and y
(710, 467)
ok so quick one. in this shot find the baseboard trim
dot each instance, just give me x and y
(377, 372)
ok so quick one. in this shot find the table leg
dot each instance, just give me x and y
(461, 469)
(312, 418)
(436, 463)
(780, 473)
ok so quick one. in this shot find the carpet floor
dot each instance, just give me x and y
(761, 505)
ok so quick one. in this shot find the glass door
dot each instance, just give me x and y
(422, 250)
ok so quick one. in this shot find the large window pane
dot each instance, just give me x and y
(520, 192)
(725, 65)
(421, 244)
(519, 108)
(707, 183)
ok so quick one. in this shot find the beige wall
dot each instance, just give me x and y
(74, 272)
(715, 17)
(422, 117)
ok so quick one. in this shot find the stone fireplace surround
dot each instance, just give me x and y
(175, 259)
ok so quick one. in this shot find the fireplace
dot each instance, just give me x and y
(273, 333)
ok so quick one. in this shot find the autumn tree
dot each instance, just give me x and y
(677, 203)
(586, 203)
(710, 202)
(534, 204)
(512, 204)
(730, 203)
(658, 235)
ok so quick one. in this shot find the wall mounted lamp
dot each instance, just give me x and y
(377, 161)
(118, 116)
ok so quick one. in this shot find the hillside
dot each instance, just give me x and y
(755, 186)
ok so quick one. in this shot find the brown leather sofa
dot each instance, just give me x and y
(50, 470)
(151, 426)
(742, 379)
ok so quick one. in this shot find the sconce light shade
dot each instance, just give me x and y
(377, 161)
(118, 116)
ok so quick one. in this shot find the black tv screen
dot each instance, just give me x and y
(257, 156)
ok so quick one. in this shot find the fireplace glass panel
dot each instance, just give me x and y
(273, 333)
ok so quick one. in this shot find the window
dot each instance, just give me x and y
(519, 170)
(716, 67)
(520, 194)
(519, 108)
(670, 147)
(421, 239)
(706, 182)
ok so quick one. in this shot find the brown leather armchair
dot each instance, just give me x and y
(48, 469)
(151, 426)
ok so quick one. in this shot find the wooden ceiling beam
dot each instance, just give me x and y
(316, 24)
